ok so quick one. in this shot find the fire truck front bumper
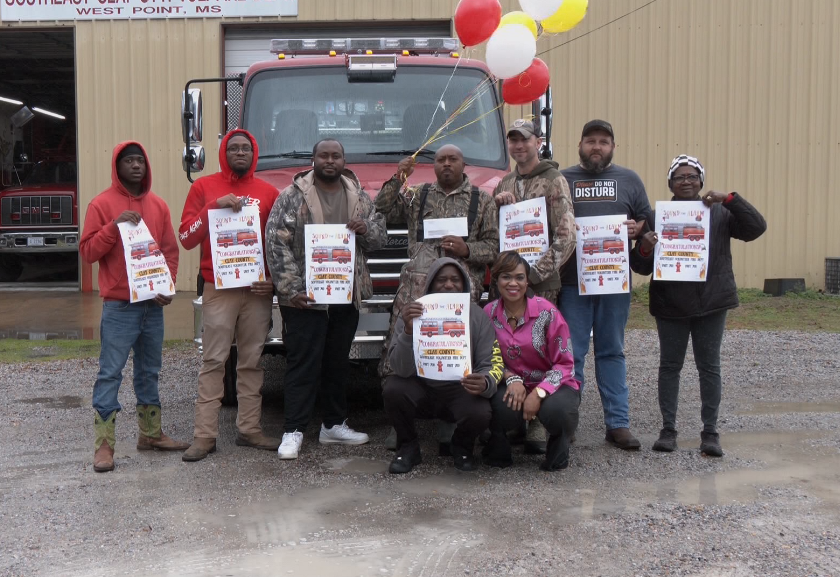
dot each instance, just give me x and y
(33, 242)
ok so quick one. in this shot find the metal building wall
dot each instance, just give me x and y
(748, 86)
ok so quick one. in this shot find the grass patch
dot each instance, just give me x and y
(26, 351)
(810, 311)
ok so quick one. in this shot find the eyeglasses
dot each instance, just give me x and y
(686, 178)
(237, 149)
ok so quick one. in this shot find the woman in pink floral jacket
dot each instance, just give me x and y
(539, 367)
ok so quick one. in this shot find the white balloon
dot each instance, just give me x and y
(510, 50)
(540, 9)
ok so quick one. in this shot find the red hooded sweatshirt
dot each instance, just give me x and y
(208, 189)
(101, 241)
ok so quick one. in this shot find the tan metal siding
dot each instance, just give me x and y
(749, 86)
(129, 81)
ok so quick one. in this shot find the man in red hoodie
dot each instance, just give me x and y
(126, 325)
(243, 314)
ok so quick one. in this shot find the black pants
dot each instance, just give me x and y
(317, 354)
(558, 414)
(413, 398)
(706, 336)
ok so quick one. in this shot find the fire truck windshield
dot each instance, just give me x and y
(289, 110)
(51, 172)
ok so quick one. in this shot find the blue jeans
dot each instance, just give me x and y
(605, 316)
(126, 327)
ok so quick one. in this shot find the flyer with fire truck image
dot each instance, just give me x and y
(148, 273)
(602, 256)
(330, 263)
(236, 246)
(442, 337)
(524, 228)
(682, 250)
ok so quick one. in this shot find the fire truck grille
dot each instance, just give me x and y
(36, 210)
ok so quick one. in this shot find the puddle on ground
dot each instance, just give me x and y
(790, 461)
(782, 408)
(64, 402)
(357, 466)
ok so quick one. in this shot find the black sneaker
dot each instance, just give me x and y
(667, 441)
(406, 458)
(463, 459)
(710, 444)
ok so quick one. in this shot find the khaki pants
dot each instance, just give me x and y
(230, 313)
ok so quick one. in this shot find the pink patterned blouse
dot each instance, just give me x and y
(540, 348)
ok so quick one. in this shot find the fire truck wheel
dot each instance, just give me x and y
(11, 267)
(229, 380)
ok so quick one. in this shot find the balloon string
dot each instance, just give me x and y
(445, 88)
(477, 92)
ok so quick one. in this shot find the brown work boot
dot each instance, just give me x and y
(103, 458)
(257, 441)
(162, 443)
(623, 439)
(199, 449)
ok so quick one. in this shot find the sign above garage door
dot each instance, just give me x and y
(31, 10)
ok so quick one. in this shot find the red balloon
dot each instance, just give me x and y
(476, 20)
(527, 86)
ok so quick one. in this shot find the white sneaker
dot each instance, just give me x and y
(290, 447)
(341, 435)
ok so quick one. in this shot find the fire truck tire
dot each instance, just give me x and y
(229, 380)
(11, 267)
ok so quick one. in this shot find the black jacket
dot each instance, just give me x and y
(680, 300)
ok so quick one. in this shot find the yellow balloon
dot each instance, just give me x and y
(569, 15)
(520, 18)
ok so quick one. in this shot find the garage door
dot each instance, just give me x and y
(245, 46)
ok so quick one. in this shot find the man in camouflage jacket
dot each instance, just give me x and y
(535, 178)
(448, 197)
(318, 338)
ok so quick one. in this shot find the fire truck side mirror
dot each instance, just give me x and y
(191, 117)
(193, 158)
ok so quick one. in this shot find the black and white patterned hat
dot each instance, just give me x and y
(686, 160)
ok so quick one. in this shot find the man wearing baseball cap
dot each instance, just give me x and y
(532, 178)
(601, 188)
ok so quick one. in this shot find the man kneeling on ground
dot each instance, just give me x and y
(466, 402)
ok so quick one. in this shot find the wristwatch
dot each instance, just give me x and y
(541, 393)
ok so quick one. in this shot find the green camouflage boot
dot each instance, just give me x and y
(151, 436)
(105, 430)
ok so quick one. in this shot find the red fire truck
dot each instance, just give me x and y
(528, 228)
(143, 249)
(340, 255)
(38, 218)
(231, 238)
(363, 92)
(601, 245)
(692, 232)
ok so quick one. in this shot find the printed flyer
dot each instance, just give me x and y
(442, 337)
(145, 265)
(236, 246)
(525, 227)
(682, 250)
(330, 263)
(602, 255)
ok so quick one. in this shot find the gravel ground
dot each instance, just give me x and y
(770, 507)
